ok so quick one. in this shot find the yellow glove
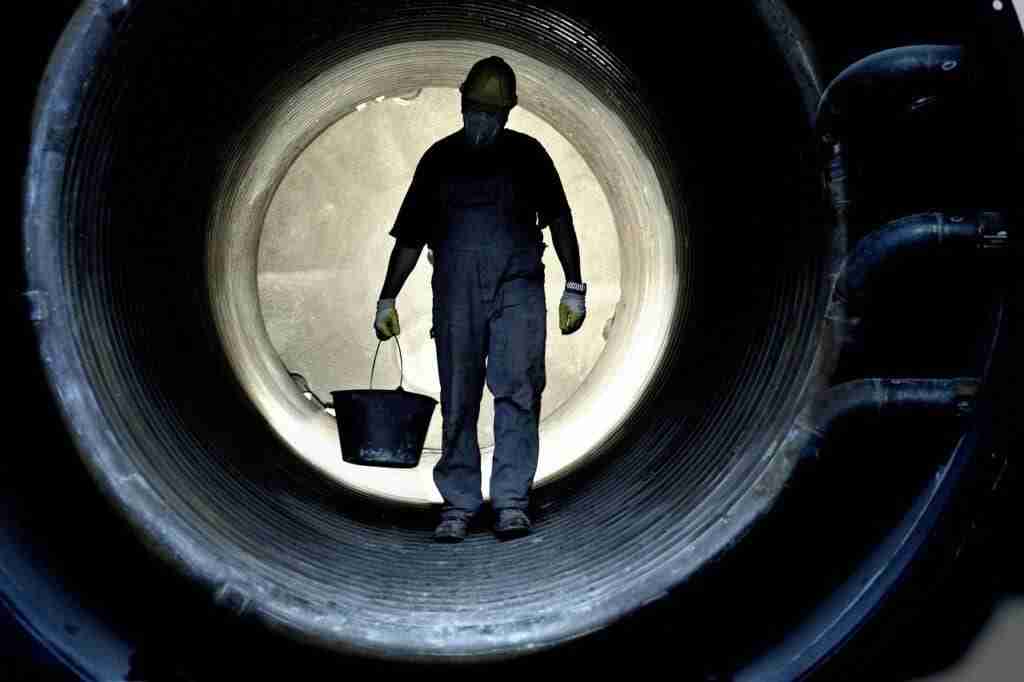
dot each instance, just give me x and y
(386, 323)
(572, 310)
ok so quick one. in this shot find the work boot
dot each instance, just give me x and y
(511, 523)
(453, 527)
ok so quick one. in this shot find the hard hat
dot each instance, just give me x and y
(490, 85)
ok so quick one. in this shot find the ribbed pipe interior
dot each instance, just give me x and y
(181, 448)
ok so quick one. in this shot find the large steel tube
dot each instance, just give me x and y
(162, 134)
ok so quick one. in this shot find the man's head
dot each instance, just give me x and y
(488, 94)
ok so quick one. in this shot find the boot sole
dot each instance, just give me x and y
(516, 532)
(450, 536)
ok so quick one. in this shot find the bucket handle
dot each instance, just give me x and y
(402, 365)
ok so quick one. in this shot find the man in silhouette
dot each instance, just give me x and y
(480, 198)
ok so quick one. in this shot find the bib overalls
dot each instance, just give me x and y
(488, 303)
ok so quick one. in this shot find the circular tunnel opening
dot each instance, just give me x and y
(161, 157)
(320, 250)
(319, 311)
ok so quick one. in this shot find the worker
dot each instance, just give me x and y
(479, 199)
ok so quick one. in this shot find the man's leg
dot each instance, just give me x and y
(516, 377)
(461, 344)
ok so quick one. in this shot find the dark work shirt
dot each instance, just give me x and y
(532, 186)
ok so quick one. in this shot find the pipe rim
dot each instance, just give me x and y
(170, 536)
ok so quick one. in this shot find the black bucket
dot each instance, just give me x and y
(382, 428)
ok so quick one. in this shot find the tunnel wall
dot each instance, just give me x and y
(142, 310)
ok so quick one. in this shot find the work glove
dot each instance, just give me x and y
(572, 310)
(386, 324)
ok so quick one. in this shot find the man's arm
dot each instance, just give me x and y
(567, 248)
(403, 260)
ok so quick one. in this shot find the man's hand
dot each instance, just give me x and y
(572, 310)
(386, 323)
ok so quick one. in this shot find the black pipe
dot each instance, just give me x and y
(906, 78)
(873, 582)
(884, 397)
(909, 77)
(985, 230)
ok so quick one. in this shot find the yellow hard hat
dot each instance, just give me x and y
(490, 85)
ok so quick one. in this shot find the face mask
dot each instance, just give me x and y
(481, 127)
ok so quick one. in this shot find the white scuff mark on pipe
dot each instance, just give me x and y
(135, 478)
